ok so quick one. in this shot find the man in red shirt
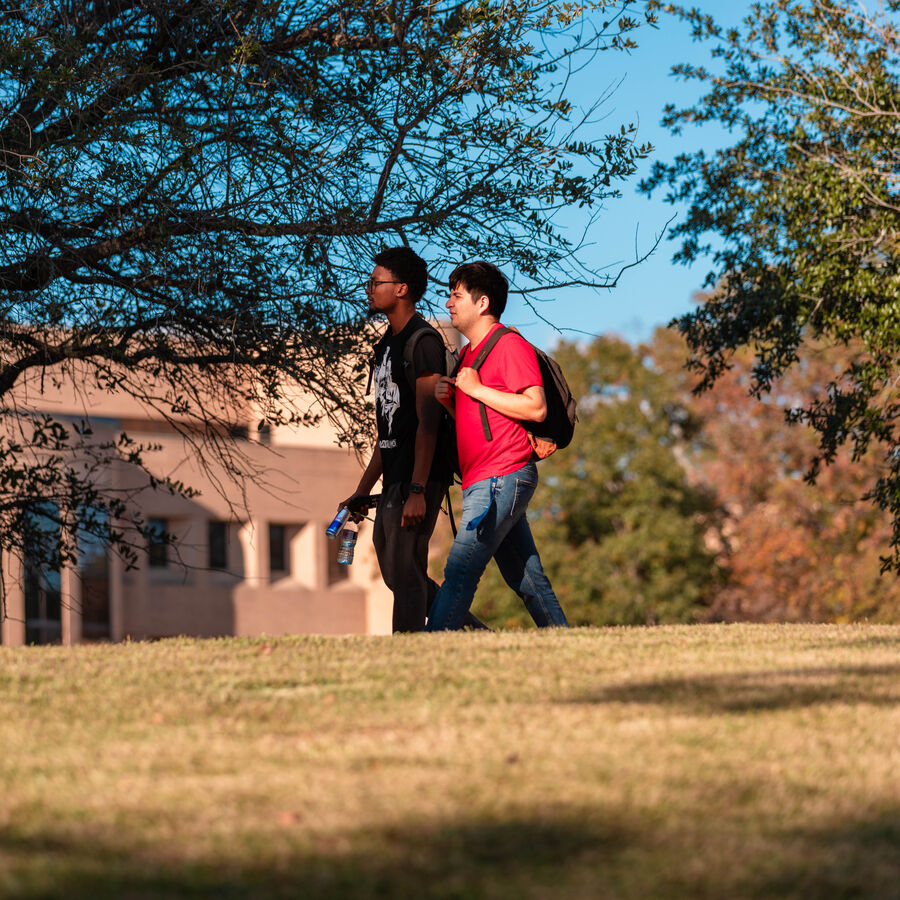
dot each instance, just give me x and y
(499, 475)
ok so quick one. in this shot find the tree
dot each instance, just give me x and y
(671, 506)
(788, 550)
(621, 531)
(190, 193)
(804, 207)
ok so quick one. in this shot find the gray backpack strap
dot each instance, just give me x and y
(409, 350)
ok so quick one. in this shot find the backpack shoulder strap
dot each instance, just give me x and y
(477, 363)
(489, 345)
(409, 348)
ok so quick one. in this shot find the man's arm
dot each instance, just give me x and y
(367, 480)
(429, 414)
(529, 406)
(371, 474)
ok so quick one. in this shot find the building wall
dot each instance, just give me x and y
(299, 477)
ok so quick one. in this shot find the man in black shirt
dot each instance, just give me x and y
(408, 418)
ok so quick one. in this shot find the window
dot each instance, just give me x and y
(277, 549)
(218, 545)
(43, 606)
(93, 564)
(158, 543)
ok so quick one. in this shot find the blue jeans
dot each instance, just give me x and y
(494, 525)
(403, 555)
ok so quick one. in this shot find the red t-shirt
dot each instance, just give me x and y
(512, 367)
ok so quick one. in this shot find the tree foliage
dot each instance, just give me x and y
(190, 194)
(787, 550)
(800, 214)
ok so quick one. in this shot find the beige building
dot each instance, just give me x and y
(248, 559)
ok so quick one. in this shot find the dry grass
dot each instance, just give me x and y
(713, 761)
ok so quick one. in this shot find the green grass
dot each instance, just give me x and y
(683, 762)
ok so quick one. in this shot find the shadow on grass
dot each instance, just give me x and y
(572, 858)
(765, 690)
(853, 860)
(470, 860)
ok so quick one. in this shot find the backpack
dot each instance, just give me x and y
(555, 432)
(446, 443)
(451, 357)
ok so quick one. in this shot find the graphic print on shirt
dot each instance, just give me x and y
(387, 393)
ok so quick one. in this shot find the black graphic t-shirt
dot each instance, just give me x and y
(395, 399)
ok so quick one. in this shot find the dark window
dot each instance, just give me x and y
(277, 548)
(158, 542)
(218, 545)
(43, 607)
(93, 563)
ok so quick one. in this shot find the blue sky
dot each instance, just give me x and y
(657, 290)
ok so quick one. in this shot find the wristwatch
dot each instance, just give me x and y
(416, 488)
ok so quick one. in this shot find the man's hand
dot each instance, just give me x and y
(358, 510)
(468, 381)
(443, 389)
(413, 510)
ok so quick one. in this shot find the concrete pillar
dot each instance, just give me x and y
(190, 553)
(137, 598)
(309, 556)
(70, 601)
(12, 626)
(117, 630)
(249, 539)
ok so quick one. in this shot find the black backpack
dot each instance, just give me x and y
(446, 445)
(555, 432)
(451, 356)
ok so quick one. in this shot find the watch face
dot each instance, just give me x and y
(415, 488)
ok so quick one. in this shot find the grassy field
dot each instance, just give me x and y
(684, 762)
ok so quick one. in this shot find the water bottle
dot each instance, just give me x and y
(348, 545)
(334, 529)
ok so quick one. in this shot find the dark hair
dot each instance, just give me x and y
(406, 266)
(483, 279)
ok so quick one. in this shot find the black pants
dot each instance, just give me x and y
(403, 553)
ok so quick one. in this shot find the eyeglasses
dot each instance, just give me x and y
(371, 284)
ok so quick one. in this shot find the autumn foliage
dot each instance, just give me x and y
(794, 547)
